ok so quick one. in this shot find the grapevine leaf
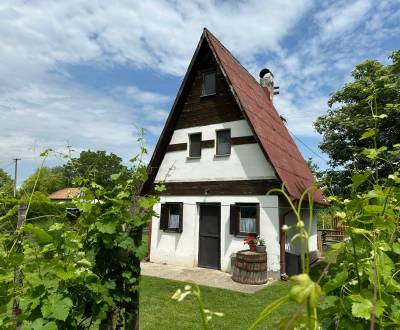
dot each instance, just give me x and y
(127, 243)
(396, 247)
(39, 325)
(360, 231)
(304, 288)
(362, 307)
(359, 179)
(336, 282)
(108, 227)
(328, 302)
(367, 134)
(64, 272)
(141, 251)
(57, 306)
(39, 233)
(115, 176)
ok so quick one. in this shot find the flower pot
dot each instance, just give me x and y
(253, 247)
(261, 248)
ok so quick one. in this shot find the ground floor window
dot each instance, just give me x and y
(171, 217)
(245, 219)
(248, 219)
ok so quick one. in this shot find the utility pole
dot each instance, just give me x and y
(15, 176)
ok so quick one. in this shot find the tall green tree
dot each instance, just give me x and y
(6, 185)
(96, 165)
(374, 85)
(50, 180)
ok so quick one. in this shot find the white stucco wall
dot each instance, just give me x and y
(245, 161)
(182, 248)
(291, 220)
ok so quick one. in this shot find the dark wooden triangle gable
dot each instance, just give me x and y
(198, 110)
(191, 109)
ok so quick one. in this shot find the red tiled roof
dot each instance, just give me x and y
(65, 194)
(273, 136)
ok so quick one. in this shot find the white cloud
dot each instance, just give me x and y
(42, 106)
(159, 34)
(38, 117)
(341, 17)
(341, 36)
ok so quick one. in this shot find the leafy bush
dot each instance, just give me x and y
(82, 275)
(40, 212)
(6, 204)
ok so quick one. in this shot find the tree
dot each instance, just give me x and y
(6, 185)
(375, 86)
(50, 180)
(96, 165)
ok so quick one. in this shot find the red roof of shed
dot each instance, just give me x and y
(65, 194)
(272, 134)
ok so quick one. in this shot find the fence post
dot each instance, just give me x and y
(22, 208)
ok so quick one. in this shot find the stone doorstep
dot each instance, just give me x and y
(202, 276)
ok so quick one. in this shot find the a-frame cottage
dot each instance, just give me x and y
(222, 148)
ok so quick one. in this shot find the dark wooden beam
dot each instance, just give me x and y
(207, 144)
(214, 188)
(243, 140)
(177, 147)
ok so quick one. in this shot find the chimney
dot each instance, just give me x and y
(267, 82)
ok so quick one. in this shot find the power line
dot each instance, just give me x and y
(304, 144)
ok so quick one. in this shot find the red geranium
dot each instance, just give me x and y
(250, 240)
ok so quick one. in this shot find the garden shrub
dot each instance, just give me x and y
(83, 274)
(40, 212)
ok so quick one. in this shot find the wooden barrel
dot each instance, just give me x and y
(250, 267)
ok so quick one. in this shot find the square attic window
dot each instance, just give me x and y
(209, 83)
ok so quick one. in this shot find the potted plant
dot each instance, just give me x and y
(261, 244)
(252, 242)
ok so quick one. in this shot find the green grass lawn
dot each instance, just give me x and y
(159, 311)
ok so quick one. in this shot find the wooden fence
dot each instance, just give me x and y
(328, 236)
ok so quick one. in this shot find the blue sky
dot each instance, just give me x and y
(91, 73)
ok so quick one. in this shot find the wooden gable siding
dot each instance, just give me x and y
(201, 110)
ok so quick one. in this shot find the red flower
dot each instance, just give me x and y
(250, 240)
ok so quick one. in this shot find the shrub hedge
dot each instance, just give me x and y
(39, 211)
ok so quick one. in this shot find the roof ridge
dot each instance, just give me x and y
(230, 54)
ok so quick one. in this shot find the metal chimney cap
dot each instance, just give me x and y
(265, 71)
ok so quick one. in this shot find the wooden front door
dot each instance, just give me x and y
(209, 236)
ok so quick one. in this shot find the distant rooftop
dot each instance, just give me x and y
(65, 194)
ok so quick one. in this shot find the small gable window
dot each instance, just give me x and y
(245, 219)
(223, 142)
(195, 145)
(209, 83)
(171, 218)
